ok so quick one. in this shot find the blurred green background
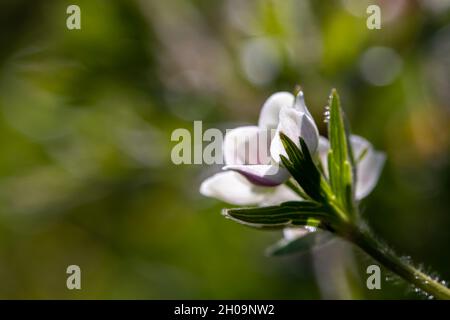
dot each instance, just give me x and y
(86, 118)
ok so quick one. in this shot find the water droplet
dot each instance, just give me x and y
(326, 114)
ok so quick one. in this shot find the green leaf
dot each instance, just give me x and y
(340, 158)
(308, 242)
(292, 213)
(302, 168)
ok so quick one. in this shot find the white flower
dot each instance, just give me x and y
(254, 176)
(246, 153)
(231, 187)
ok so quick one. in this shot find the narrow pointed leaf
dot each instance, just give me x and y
(293, 213)
(339, 157)
(302, 168)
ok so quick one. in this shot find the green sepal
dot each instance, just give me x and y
(302, 168)
(340, 157)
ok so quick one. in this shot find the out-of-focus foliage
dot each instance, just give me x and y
(86, 118)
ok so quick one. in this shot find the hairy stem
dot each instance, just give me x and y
(397, 265)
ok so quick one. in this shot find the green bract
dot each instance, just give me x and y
(329, 202)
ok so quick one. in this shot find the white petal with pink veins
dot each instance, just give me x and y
(246, 145)
(232, 188)
(263, 175)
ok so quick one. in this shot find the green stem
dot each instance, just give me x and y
(395, 264)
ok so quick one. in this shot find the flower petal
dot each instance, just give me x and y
(232, 188)
(359, 146)
(279, 195)
(246, 145)
(369, 164)
(263, 175)
(324, 147)
(300, 105)
(294, 124)
(368, 173)
(297, 232)
(269, 115)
